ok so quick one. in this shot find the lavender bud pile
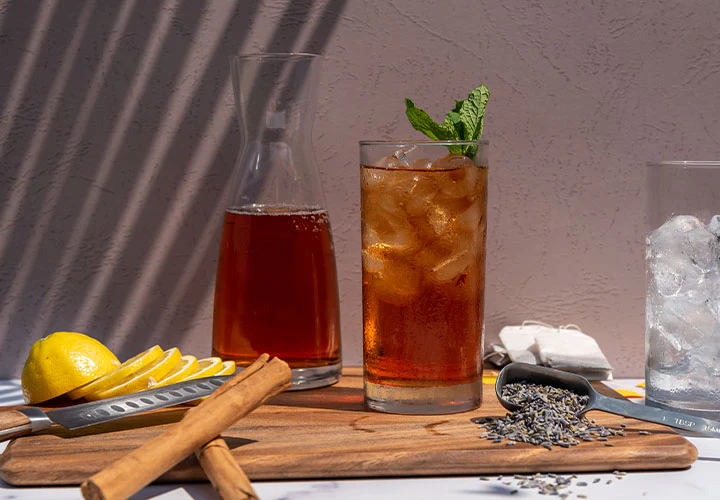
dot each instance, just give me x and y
(548, 416)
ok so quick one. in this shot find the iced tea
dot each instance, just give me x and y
(423, 254)
(276, 291)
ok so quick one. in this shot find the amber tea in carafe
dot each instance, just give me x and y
(276, 284)
(262, 299)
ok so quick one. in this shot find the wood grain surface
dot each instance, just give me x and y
(328, 433)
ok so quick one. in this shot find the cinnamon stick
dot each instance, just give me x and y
(216, 459)
(139, 468)
(253, 368)
(226, 476)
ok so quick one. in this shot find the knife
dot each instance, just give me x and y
(15, 423)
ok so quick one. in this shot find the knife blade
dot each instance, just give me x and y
(15, 423)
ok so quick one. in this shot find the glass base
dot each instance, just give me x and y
(711, 414)
(314, 378)
(423, 400)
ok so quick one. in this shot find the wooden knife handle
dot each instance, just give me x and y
(14, 424)
(226, 476)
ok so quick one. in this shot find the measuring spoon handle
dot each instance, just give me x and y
(657, 415)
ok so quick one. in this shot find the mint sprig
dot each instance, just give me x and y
(463, 123)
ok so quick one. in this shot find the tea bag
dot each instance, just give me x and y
(564, 348)
(568, 349)
(519, 341)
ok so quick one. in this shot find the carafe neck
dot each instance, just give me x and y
(275, 99)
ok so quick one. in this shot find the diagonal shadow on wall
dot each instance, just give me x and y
(80, 193)
(14, 36)
(59, 248)
(49, 80)
(200, 267)
(189, 192)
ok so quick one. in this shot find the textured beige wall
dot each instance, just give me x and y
(118, 133)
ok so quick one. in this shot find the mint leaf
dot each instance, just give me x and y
(464, 122)
(422, 122)
(452, 120)
(472, 114)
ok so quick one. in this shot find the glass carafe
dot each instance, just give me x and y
(276, 284)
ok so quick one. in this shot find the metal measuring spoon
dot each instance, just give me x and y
(533, 374)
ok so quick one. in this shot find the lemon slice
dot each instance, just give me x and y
(132, 365)
(184, 368)
(207, 367)
(138, 381)
(228, 368)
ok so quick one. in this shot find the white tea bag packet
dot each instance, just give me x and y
(569, 349)
(565, 348)
(519, 341)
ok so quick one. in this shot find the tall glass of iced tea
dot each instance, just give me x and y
(423, 274)
(276, 284)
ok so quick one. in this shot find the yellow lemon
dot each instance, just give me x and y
(117, 376)
(138, 381)
(228, 368)
(207, 367)
(225, 368)
(61, 362)
(184, 368)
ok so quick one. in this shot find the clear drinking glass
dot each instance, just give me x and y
(682, 335)
(423, 274)
(276, 285)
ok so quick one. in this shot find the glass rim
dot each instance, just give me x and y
(684, 163)
(426, 142)
(276, 55)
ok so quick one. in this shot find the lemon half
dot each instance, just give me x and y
(61, 362)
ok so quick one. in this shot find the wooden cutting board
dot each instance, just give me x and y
(328, 433)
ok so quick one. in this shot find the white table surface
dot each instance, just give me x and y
(698, 482)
